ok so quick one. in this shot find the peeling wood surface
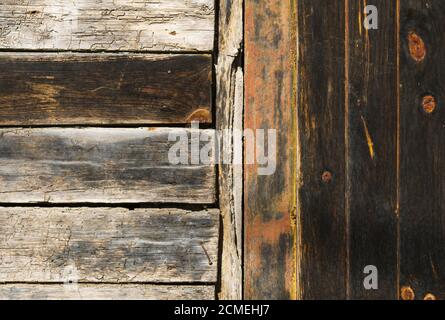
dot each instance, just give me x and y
(59, 89)
(161, 25)
(108, 245)
(422, 134)
(229, 113)
(105, 165)
(269, 201)
(372, 150)
(105, 292)
(321, 116)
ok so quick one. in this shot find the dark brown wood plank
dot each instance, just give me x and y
(422, 211)
(321, 107)
(98, 165)
(105, 292)
(372, 145)
(270, 200)
(58, 245)
(58, 89)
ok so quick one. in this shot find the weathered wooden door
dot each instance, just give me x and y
(360, 180)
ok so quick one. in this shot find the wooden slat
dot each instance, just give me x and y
(61, 165)
(269, 200)
(173, 25)
(229, 119)
(105, 292)
(57, 89)
(422, 131)
(321, 107)
(372, 149)
(108, 245)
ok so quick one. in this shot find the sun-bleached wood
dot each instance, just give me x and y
(126, 25)
(105, 292)
(100, 165)
(229, 119)
(108, 245)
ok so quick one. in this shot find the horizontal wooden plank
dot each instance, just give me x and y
(105, 292)
(108, 245)
(98, 165)
(59, 88)
(172, 25)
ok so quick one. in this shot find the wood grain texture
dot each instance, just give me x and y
(98, 165)
(67, 89)
(321, 107)
(269, 200)
(108, 245)
(229, 119)
(105, 292)
(161, 25)
(422, 133)
(372, 149)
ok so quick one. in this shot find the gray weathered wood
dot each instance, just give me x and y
(74, 89)
(105, 292)
(97, 165)
(174, 25)
(108, 245)
(229, 107)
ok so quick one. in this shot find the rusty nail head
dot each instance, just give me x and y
(326, 177)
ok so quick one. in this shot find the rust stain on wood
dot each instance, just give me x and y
(326, 177)
(270, 41)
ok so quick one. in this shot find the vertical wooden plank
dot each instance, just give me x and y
(321, 107)
(372, 145)
(102, 165)
(229, 120)
(270, 206)
(422, 215)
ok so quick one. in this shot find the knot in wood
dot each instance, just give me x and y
(416, 46)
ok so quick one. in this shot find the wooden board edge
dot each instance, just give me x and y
(36, 291)
(229, 117)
